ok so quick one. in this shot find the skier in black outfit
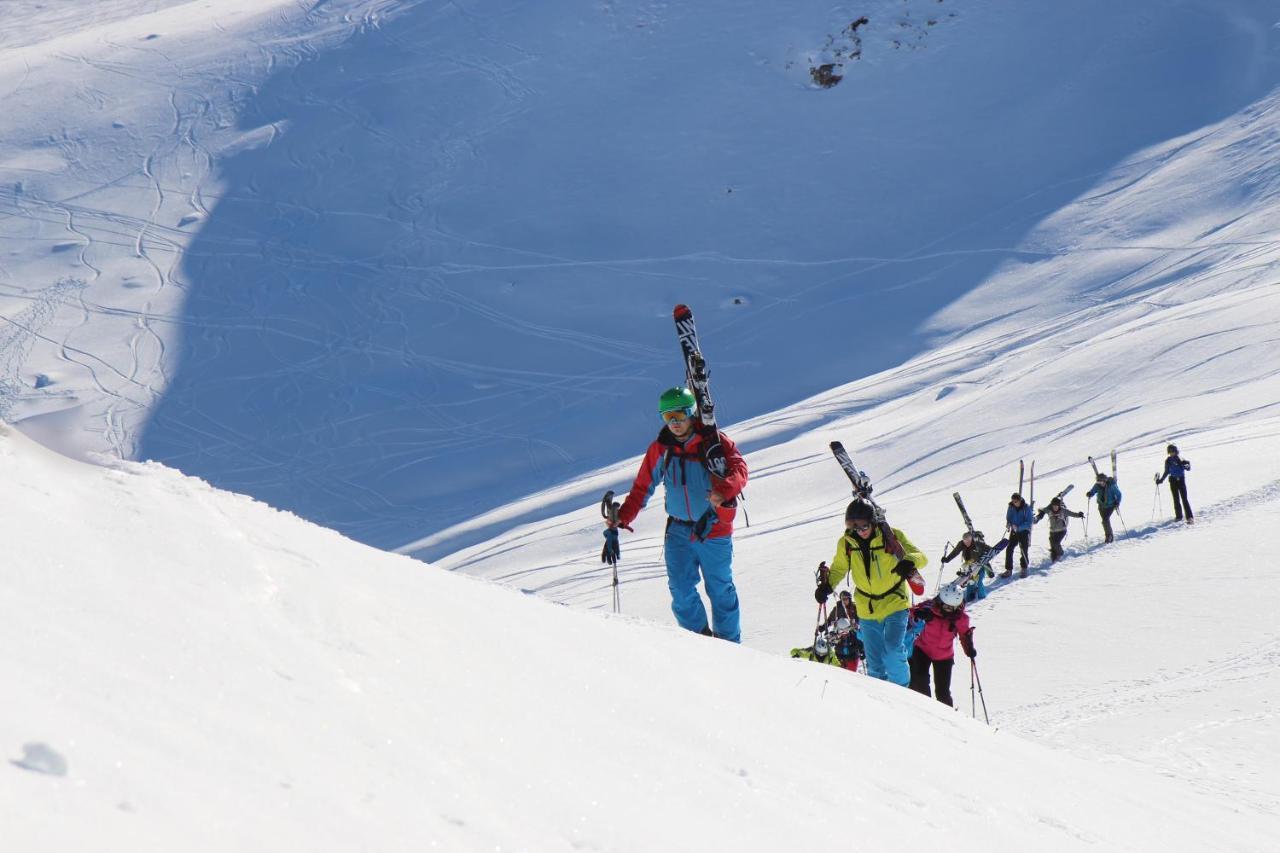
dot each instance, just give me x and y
(1174, 470)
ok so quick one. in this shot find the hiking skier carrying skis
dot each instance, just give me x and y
(1019, 520)
(937, 624)
(1058, 514)
(972, 548)
(879, 588)
(700, 513)
(1175, 468)
(1108, 502)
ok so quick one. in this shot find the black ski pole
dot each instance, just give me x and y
(973, 665)
(973, 700)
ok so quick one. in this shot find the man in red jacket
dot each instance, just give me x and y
(700, 512)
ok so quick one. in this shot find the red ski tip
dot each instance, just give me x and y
(681, 311)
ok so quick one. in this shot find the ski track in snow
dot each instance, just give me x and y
(260, 173)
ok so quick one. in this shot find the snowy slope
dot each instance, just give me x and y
(1164, 325)
(392, 264)
(193, 670)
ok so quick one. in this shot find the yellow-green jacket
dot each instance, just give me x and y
(877, 591)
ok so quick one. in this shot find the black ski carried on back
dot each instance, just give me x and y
(695, 368)
(964, 513)
(862, 489)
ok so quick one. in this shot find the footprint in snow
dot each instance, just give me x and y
(41, 758)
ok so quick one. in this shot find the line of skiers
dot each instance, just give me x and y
(908, 641)
(874, 619)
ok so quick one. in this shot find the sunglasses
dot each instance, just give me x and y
(861, 526)
(677, 416)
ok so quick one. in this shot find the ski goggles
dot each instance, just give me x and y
(677, 416)
(860, 526)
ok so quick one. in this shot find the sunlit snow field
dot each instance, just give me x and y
(405, 270)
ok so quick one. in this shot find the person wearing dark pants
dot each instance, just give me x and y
(1018, 518)
(1058, 515)
(1175, 468)
(1108, 502)
(936, 624)
(920, 664)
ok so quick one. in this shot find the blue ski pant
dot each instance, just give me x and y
(886, 652)
(977, 590)
(712, 560)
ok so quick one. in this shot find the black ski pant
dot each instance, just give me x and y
(1055, 544)
(920, 663)
(1178, 488)
(1017, 539)
(1105, 512)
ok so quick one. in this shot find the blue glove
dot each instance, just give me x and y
(612, 550)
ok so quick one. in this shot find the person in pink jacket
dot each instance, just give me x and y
(936, 624)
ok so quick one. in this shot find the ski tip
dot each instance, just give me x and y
(835, 445)
(681, 311)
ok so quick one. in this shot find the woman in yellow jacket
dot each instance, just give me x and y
(879, 571)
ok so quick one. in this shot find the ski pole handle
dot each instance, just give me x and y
(609, 508)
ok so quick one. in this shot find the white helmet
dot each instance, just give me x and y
(951, 595)
(843, 625)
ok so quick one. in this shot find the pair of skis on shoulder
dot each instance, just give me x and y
(862, 490)
(1031, 502)
(698, 379)
(973, 571)
(1114, 473)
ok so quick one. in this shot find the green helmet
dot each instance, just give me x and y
(676, 398)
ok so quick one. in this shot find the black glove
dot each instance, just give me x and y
(820, 594)
(924, 614)
(971, 652)
(904, 569)
(1158, 479)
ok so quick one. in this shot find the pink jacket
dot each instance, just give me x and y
(937, 640)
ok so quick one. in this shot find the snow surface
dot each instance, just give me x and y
(212, 674)
(393, 264)
(258, 241)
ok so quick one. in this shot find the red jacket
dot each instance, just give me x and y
(941, 629)
(680, 468)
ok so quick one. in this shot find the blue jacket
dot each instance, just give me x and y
(1175, 467)
(1019, 519)
(1108, 495)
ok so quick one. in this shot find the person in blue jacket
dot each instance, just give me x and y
(1175, 468)
(1108, 502)
(1019, 519)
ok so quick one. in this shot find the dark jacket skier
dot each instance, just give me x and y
(972, 548)
(1175, 468)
